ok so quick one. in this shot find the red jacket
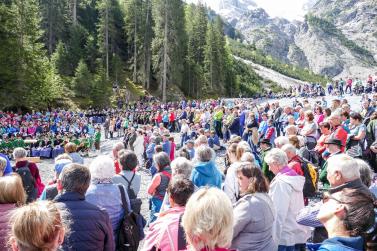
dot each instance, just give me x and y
(34, 172)
(341, 134)
(295, 164)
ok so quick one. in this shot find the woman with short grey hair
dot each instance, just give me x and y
(19, 153)
(205, 171)
(103, 193)
(181, 166)
(159, 184)
(286, 193)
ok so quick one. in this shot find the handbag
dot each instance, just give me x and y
(128, 233)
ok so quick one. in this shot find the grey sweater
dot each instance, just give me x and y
(254, 216)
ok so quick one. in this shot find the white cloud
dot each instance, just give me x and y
(289, 9)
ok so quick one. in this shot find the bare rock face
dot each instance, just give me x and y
(339, 41)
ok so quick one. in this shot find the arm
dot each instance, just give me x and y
(308, 216)
(361, 134)
(154, 184)
(229, 184)
(109, 244)
(281, 197)
(241, 217)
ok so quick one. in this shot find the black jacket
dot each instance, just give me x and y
(90, 227)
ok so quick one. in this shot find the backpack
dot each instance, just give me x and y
(28, 182)
(128, 233)
(311, 178)
(134, 201)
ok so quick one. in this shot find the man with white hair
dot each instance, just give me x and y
(281, 141)
(294, 161)
(286, 191)
(342, 172)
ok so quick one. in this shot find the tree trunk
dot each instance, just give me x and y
(74, 12)
(165, 54)
(50, 23)
(147, 59)
(135, 44)
(107, 39)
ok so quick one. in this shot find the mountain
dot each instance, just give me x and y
(338, 38)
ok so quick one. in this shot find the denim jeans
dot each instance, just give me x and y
(155, 208)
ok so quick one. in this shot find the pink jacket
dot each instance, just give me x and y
(163, 233)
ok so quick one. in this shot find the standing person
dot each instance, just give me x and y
(37, 226)
(138, 147)
(286, 191)
(166, 233)
(172, 148)
(333, 147)
(276, 116)
(217, 120)
(117, 147)
(254, 213)
(106, 126)
(112, 127)
(103, 193)
(266, 146)
(90, 226)
(97, 139)
(355, 140)
(184, 131)
(205, 171)
(29, 173)
(159, 183)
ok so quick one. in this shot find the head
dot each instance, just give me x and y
(291, 130)
(242, 147)
(276, 160)
(251, 179)
(355, 118)
(19, 154)
(208, 219)
(37, 226)
(333, 148)
(335, 120)
(70, 147)
(161, 160)
(116, 148)
(281, 141)
(180, 190)
(75, 178)
(101, 168)
(366, 173)
(294, 141)
(309, 116)
(201, 140)
(12, 190)
(341, 168)
(3, 164)
(247, 157)
(325, 128)
(181, 166)
(204, 154)
(127, 160)
(349, 211)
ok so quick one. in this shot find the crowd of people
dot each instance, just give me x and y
(294, 177)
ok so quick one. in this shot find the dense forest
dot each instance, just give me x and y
(85, 52)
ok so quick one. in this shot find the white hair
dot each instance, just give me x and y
(247, 157)
(289, 148)
(204, 154)
(182, 166)
(344, 164)
(281, 141)
(19, 153)
(102, 167)
(276, 156)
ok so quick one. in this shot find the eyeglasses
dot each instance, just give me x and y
(327, 196)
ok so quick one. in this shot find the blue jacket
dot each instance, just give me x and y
(150, 150)
(8, 167)
(235, 127)
(166, 147)
(342, 244)
(206, 174)
(90, 226)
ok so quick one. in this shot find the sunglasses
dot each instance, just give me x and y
(327, 196)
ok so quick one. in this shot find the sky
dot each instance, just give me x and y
(289, 9)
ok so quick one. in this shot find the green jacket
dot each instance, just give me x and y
(265, 169)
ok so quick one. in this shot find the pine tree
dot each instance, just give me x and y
(169, 43)
(82, 81)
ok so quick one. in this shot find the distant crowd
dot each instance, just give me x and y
(228, 174)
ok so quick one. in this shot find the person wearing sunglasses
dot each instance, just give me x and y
(347, 216)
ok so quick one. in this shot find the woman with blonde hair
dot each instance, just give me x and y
(12, 195)
(37, 226)
(208, 221)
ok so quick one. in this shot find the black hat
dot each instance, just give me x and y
(265, 141)
(333, 141)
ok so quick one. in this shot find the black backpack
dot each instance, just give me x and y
(28, 182)
(310, 175)
(134, 201)
(128, 233)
